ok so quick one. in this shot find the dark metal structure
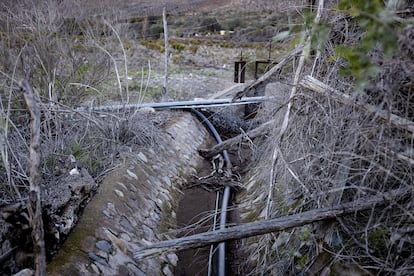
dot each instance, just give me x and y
(240, 70)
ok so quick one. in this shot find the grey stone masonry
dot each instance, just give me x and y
(135, 205)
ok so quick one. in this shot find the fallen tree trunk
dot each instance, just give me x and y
(213, 151)
(272, 225)
(315, 85)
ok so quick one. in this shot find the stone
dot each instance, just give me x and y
(155, 216)
(25, 272)
(167, 180)
(95, 269)
(97, 259)
(122, 185)
(173, 259)
(107, 214)
(142, 157)
(119, 193)
(125, 237)
(132, 175)
(128, 208)
(135, 270)
(167, 271)
(148, 233)
(105, 246)
(132, 198)
(133, 188)
(111, 208)
(151, 223)
(133, 221)
(126, 225)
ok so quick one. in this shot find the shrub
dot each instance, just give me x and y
(210, 24)
(235, 23)
(156, 30)
(177, 46)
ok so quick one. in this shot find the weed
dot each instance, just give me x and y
(177, 46)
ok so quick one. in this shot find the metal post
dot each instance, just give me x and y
(240, 70)
(164, 91)
(236, 71)
(270, 51)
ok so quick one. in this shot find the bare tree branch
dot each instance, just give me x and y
(34, 206)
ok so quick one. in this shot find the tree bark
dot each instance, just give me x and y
(34, 205)
(272, 225)
(213, 151)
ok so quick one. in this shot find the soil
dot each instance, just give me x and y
(193, 207)
(196, 204)
(195, 215)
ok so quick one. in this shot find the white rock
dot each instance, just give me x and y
(131, 174)
(167, 271)
(119, 193)
(142, 157)
(74, 171)
(173, 259)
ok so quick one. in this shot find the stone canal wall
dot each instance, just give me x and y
(135, 204)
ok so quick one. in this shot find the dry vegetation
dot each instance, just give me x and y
(334, 152)
(66, 61)
(331, 152)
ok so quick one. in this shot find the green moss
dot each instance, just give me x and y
(377, 240)
(83, 156)
(72, 248)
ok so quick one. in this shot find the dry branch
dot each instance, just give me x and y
(34, 206)
(272, 225)
(213, 151)
(313, 84)
(283, 128)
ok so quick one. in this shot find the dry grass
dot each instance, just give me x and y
(333, 153)
(67, 62)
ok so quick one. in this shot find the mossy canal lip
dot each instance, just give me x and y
(166, 173)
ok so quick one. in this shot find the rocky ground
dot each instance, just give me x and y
(192, 75)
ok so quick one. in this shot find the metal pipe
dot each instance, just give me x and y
(221, 264)
(210, 256)
(221, 268)
(179, 104)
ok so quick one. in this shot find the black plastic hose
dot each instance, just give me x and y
(221, 262)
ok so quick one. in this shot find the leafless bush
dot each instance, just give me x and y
(69, 57)
(332, 153)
